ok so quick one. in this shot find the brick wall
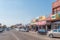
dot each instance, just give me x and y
(56, 6)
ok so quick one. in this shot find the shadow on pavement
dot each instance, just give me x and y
(57, 37)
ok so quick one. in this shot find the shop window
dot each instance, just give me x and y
(58, 26)
(39, 27)
(55, 12)
(49, 26)
(58, 12)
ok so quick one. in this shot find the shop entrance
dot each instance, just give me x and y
(48, 27)
(55, 25)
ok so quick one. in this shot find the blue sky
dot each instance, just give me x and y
(22, 11)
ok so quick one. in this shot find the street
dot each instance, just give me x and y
(17, 35)
(29, 19)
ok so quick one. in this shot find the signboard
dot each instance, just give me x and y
(53, 16)
(58, 16)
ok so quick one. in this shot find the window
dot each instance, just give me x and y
(58, 30)
(58, 12)
(55, 30)
(55, 12)
(59, 27)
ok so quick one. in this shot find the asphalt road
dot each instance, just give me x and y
(17, 35)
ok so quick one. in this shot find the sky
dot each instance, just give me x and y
(23, 11)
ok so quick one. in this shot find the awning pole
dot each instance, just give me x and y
(46, 28)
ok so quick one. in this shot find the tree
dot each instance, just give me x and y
(4, 26)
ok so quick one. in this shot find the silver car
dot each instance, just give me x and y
(24, 30)
(17, 29)
(54, 33)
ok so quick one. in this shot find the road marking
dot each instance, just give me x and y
(15, 36)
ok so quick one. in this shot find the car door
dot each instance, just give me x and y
(55, 33)
(58, 32)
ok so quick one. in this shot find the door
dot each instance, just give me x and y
(55, 33)
(58, 32)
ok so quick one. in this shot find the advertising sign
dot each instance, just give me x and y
(53, 17)
(58, 16)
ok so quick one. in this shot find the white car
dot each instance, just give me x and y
(17, 29)
(54, 33)
(24, 30)
(1, 29)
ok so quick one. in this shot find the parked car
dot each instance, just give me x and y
(42, 31)
(54, 33)
(7, 29)
(1, 29)
(17, 29)
(24, 29)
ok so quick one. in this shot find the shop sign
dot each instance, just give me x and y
(53, 17)
(58, 16)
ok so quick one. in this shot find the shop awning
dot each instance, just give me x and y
(41, 23)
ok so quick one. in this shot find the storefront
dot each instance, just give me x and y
(56, 13)
(33, 26)
(56, 7)
(53, 21)
(42, 27)
(56, 25)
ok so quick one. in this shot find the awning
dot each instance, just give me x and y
(41, 23)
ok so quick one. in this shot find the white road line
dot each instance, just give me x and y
(15, 36)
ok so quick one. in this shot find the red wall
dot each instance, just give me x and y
(56, 6)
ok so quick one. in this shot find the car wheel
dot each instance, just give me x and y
(51, 35)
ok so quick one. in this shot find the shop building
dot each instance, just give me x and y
(56, 7)
(53, 19)
(55, 16)
(33, 26)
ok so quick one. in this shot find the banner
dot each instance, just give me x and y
(58, 16)
(53, 16)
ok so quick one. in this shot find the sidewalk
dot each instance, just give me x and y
(36, 34)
